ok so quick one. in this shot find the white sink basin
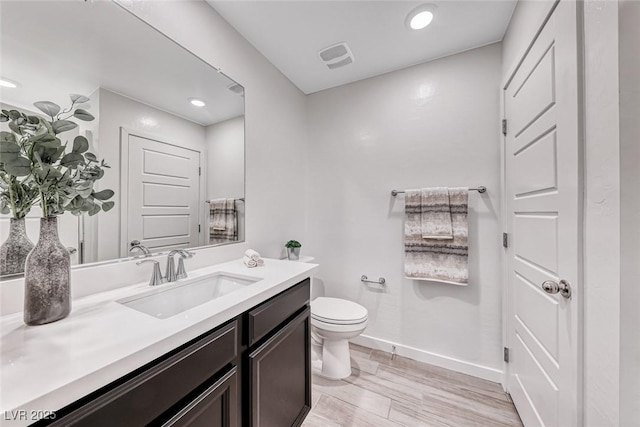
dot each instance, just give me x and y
(175, 298)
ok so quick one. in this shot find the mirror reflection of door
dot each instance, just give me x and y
(163, 195)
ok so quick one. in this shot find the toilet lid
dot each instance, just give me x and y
(337, 311)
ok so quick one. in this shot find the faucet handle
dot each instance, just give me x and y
(187, 254)
(184, 254)
(156, 274)
(182, 273)
(170, 271)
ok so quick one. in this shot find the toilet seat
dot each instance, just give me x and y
(337, 311)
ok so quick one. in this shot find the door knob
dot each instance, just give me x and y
(72, 250)
(551, 287)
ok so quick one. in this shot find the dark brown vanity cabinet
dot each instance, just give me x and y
(280, 377)
(253, 371)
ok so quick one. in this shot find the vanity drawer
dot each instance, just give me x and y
(141, 399)
(265, 317)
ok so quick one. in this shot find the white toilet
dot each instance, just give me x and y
(333, 322)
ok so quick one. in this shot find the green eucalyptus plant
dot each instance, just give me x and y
(36, 167)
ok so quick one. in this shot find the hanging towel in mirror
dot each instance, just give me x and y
(218, 215)
(436, 258)
(223, 221)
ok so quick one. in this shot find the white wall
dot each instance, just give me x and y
(225, 165)
(225, 159)
(629, 52)
(117, 111)
(435, 124)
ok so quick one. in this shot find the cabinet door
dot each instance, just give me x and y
(217, 406)
(280, 376)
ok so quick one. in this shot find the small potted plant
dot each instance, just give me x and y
(293, 250)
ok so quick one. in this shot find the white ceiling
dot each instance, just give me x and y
(53, 48)
(290, 34)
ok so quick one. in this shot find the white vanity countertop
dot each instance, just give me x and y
(44, 368)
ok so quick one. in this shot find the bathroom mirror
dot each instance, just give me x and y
(176, 165)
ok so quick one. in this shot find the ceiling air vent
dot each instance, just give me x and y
(236, 88)
(336, 56)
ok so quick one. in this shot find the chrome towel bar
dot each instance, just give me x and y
(480, 189)
(209, 201)
(380, 281)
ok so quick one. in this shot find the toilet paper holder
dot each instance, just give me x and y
(380, 281)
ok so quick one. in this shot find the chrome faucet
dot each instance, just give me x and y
(136, 246)
(170, 274)
(156, 274)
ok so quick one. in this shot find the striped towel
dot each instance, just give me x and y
(435, 213)
(438, 257)
(223, 221)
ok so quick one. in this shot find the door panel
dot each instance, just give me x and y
(536, 95)
(542, 181)
(535, 238)
(165, 226)
(536, 166)
(538, 312)
(158, 194)
(539, 388)
(169, 164)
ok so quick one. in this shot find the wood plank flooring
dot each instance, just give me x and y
(403, 392)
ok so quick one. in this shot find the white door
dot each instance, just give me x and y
(163, 200)
(543, 221)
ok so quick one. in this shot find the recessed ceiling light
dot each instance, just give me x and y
(8, 83)
(197, 102)
(420, 17)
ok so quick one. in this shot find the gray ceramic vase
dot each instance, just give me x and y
(293, 254)
(47, 294)
(15, 249)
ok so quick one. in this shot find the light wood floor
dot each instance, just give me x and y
(403, 392)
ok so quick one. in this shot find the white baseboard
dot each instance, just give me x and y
(473, 369)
